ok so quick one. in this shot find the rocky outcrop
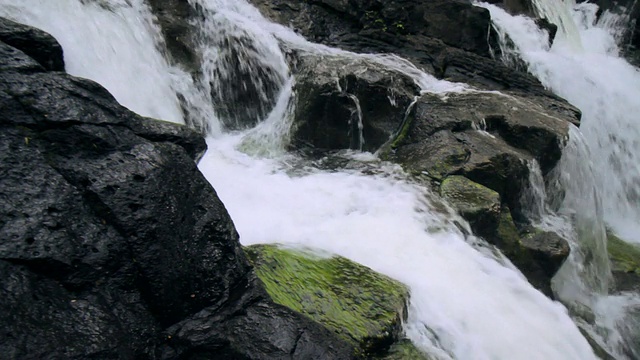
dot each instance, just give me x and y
(538, 254)
(113, 243)
(361, 306)
(348, 103)
(487, 137)
(450, 39)
(35, 43)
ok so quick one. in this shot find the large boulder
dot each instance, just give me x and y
(361, 306)
(487, 137)
(113, 243)
(37, 44)
(348, 103)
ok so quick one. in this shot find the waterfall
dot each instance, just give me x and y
(599, 174)
(465, 303)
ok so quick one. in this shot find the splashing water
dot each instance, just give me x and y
(465, 303)
(109, 37)
(599, 174)
(558, 12)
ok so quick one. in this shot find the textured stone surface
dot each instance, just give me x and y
(360, 305)
(113, 243)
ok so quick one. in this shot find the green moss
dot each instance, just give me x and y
(469, 196)
(405, 350)
(360, 305)
(624, 256)
(404, 131)
(508, 239)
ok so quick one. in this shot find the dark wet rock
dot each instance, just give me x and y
(37, 44)
(114, 242)
(348, 103)
(537, 254)
(487, 137)
(450, 39)
(12, 59)
(363, 307)
(457, 23)
(547, 249)
(175, 19)
(517, 7)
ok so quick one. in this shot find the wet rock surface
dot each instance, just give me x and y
(364, 308)
(344, 103)
(113, 243)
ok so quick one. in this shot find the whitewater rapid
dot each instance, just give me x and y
(584, 67)
(465, 303)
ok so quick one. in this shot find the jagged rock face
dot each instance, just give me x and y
(35, 43)
(113, 243)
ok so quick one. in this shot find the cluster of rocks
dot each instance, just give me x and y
(115, 246)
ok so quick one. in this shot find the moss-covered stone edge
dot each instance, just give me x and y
(358, 304)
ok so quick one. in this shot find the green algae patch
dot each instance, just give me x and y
(360, 305)
(624, 256)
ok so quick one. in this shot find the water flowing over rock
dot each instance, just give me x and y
(114, 245)
(169, 279)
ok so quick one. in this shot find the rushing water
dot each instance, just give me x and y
(465, 303)
(599, 174)
(606, 88)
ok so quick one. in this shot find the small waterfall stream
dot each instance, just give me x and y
(465, 304)
(598, 175)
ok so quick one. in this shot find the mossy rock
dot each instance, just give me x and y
(624, 256)
(360, 305)
(625, 263)
(404, 350)
(537, 254)
(478, 204)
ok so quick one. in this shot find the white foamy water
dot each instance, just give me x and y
(114, 45)
(606, 88)
(465, 304)
(599, 174)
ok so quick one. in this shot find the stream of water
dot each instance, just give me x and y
(465, 302)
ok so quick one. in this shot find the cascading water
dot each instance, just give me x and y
(101, 37)
(599, 174)
(465, 304)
